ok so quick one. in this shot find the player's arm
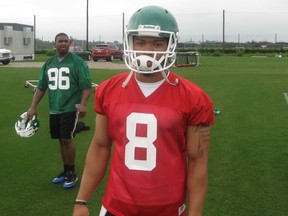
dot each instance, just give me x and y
(198, 143)
(38, 95)
(96, 163)
(81, 108)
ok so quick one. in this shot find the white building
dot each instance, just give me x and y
(19, 38)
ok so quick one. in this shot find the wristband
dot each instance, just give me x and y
(80, 202)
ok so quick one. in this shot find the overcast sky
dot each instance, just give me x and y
(198, 20)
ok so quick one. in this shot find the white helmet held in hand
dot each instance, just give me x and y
(25, 127)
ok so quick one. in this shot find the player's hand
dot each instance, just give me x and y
(81, 110)
(80, 210)
(31, 112)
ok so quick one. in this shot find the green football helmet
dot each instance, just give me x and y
(151, 21)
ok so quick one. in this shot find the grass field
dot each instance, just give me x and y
(248, 166)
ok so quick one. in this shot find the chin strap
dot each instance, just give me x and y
(124, 84)
(175, 83)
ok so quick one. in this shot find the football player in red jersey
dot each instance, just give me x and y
(158, 124)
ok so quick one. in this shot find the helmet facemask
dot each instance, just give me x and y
(149, 61)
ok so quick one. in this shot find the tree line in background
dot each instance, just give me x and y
(213, 48)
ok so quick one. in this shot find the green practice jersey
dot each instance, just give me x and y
(64, 81)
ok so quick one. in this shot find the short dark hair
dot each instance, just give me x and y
(60, 34)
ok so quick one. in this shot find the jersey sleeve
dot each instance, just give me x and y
(200, 106)
(203, 112)
(103, 94)
(43, 82)
(83, 74)
(99, 98)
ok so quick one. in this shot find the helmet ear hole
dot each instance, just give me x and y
(25, 127)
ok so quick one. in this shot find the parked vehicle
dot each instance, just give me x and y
(86, 55)
(109, 52)
(5, 56)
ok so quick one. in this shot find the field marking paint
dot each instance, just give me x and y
(286, 96)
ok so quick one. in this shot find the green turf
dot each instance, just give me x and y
(248, 166)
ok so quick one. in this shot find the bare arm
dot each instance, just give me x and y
(38, 95)
(198, 144)
(96, 164)
(81, 108)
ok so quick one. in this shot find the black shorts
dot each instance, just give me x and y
(62, 126)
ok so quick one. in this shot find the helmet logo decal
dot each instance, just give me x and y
(154, 27)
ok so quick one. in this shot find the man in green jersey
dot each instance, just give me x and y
(66, 78)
